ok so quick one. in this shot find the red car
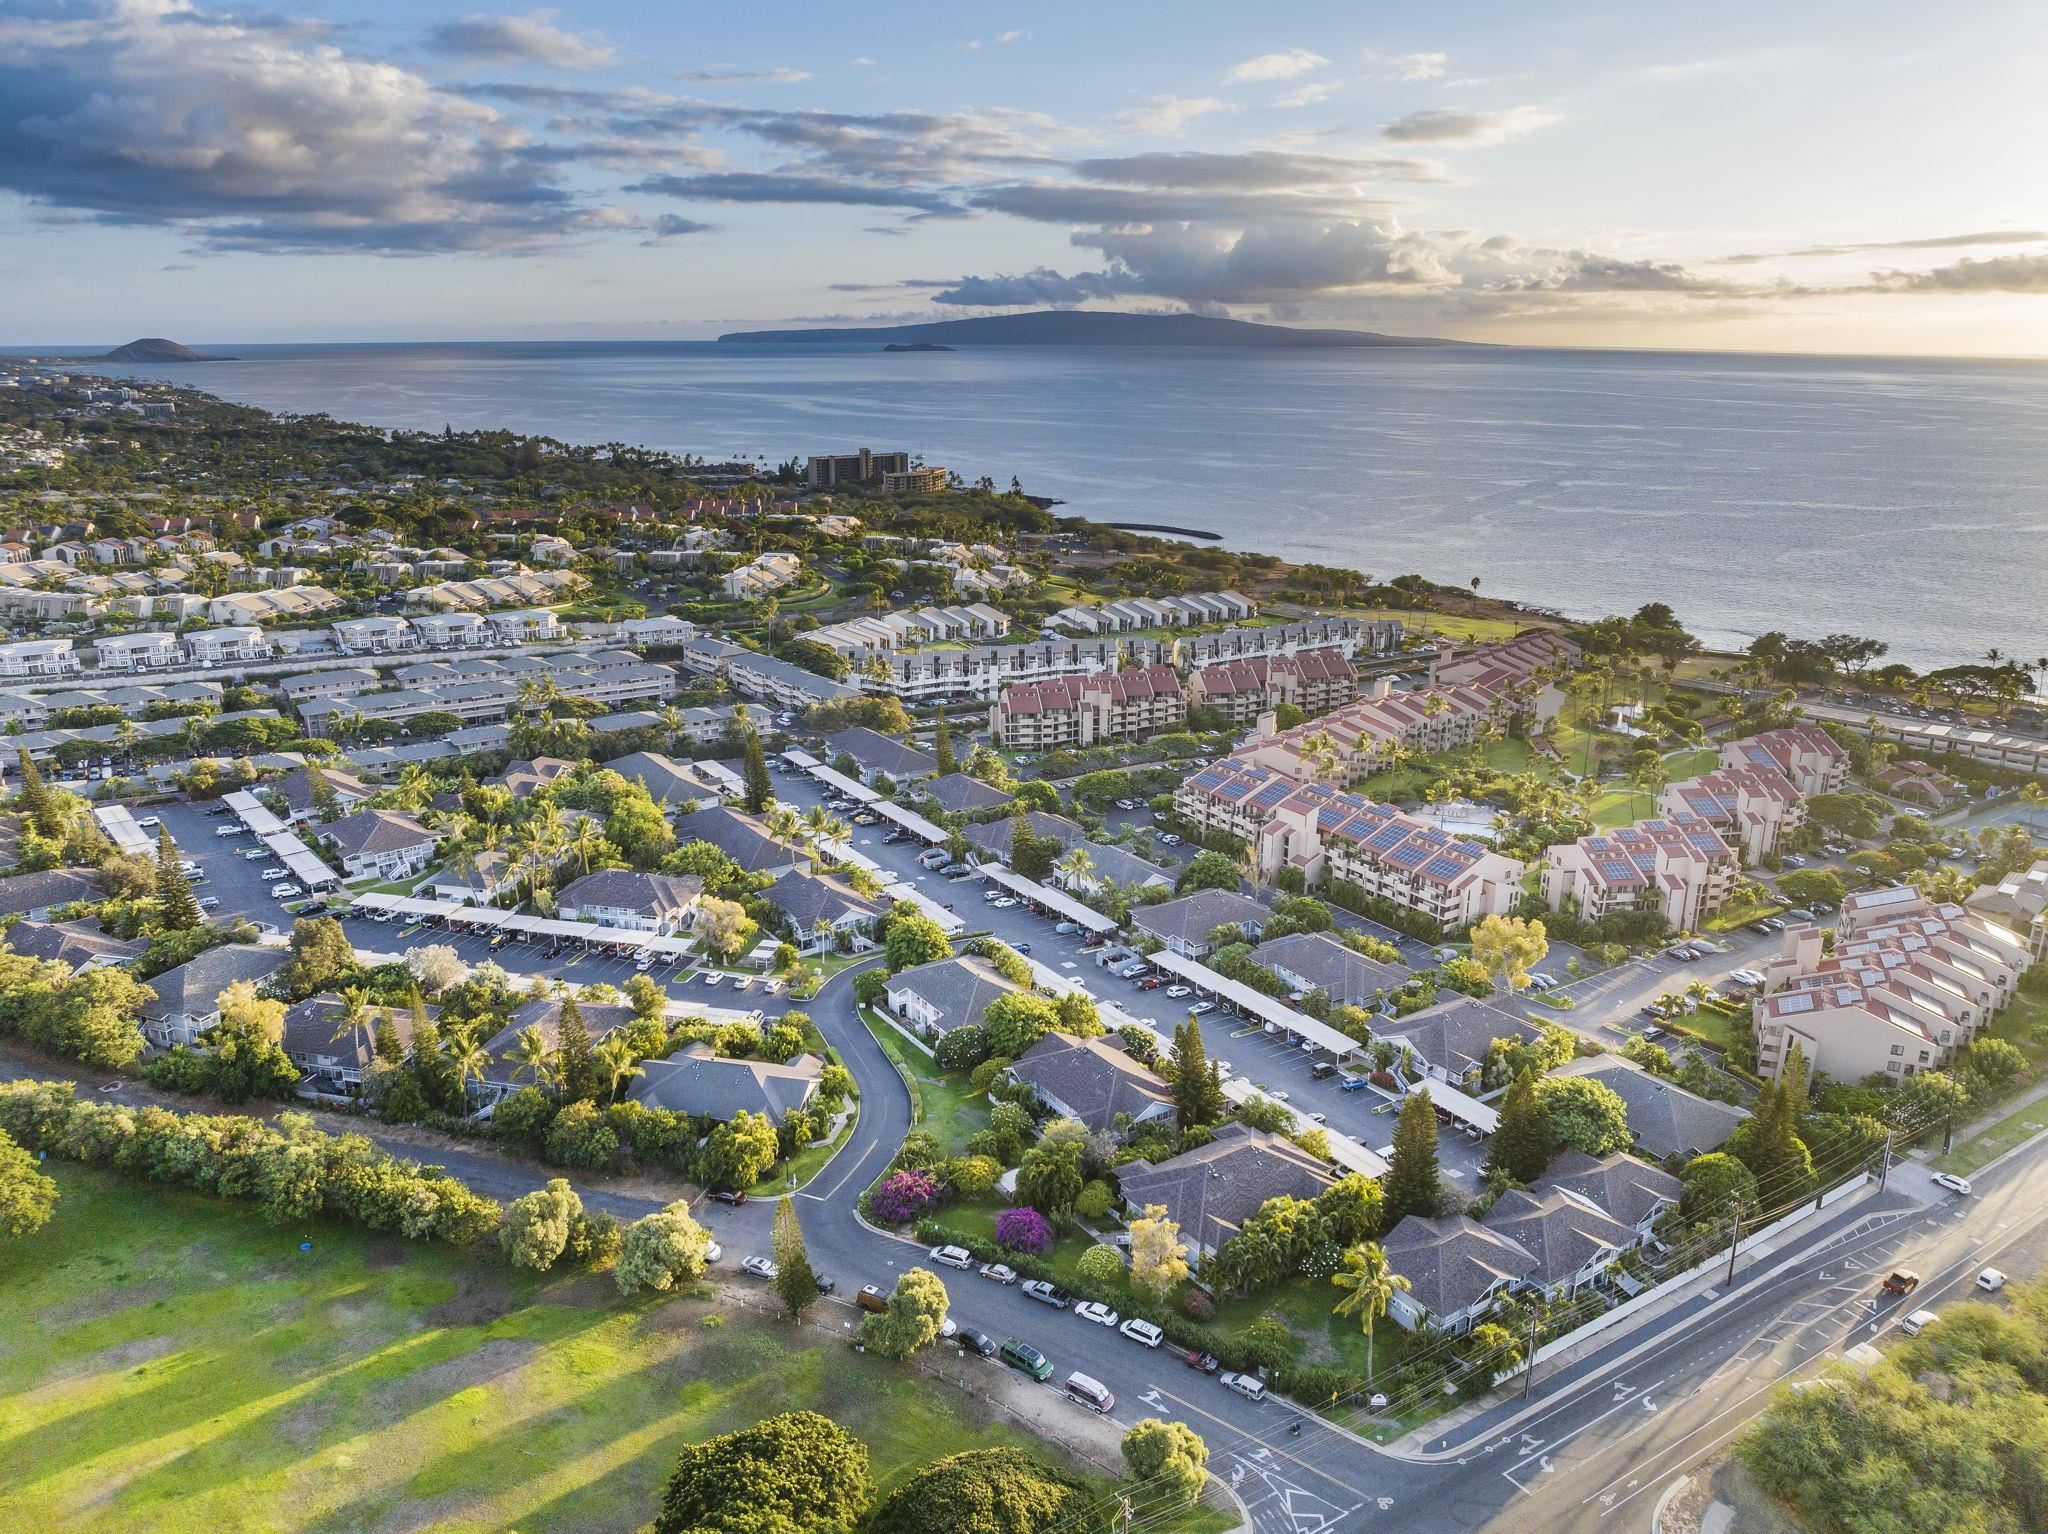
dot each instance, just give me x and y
(1150, 983)
(1195, 1358)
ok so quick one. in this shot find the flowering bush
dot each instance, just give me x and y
(901, 1197)
(1024, 1229)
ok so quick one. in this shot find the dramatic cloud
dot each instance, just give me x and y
(1938, 242)
(529, 39)
(1997, 274)
(1284, 65)
(1040, 288)
(1454, 125)
(257, 135)
(726, 74)
(1169, 116)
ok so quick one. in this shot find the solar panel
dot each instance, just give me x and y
(1271, 794)
(1793, 1001)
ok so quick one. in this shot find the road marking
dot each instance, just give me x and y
(1265, 1448)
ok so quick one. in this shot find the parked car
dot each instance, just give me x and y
(1169, 839)
(1244, 1384)
(1991, 1280)
(1195, 1358)
(1067, 926)
(953, 1257)
(1096, 1312)
(285, 891)
(255, 854)
(227, 831)
(1089, 1392)
(1352, 1084)
(1045, 1292)
(1001, 1272)
(150, 822)
(1201, 1008)
(760, 1267)
(1918, 1322)
(871, 1297)
(826, 1282)
(733, 1196)
(977, 1342)
(1957, 1185)
(210, 903)
(1141, 1331)
(1025, 1358)
(1175, 992)
(273, 872)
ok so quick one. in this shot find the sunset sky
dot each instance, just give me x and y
(1812, 177)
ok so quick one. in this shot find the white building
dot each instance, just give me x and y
(38, 657)
(136, 652)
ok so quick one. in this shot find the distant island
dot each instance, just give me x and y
(1092, 327)
(157, 349)
(915, 346)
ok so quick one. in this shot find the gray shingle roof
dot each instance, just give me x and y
(311, 1027)
(959, 794)
(1093, 1078)
(810, 902)
(666, 782)
(1119, 865)
(71, 943)
(1450, 1264)
(696, 1081)
(1623, 1186)
(960, 989)
(628, 889)
(193, 988)
(1562, 1232)
(1193, 917)
(1209, 1192)
(1664, 1119)
(994, 835)
(741, 839)
(372, 831)
(1328, 966)
(877, 752)
(297, 788)
(52, 886)
(599, 1019)
(1453, 1035)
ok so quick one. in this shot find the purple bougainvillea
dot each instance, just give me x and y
(1024, 1230)
(901, 1197)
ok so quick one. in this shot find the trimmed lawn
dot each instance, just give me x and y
(788, 1176)
(1305, 1305)
(2017, 1127)
(944, 1105)
(1453, 625)
(1621, 806)
(1731, 917)
(1715, 1027)
(172, 1363)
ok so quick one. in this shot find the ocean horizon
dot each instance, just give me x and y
(1900, 498)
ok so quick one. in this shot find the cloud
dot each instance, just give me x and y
(1304, 95)
(726, 74)
(782, 187)
(863, 62)
(1018, 35)
(1938, 242)
(259, 135)
(1995, 274)
(1258, 170)
(1411, 67)
(671, 226)
(1285, 65)
(528, 39)
(1168, 116)
(1456, 125)
(1039, 288)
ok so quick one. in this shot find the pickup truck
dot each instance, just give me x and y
(1901, 1281)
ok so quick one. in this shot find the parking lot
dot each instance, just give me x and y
(236, 882)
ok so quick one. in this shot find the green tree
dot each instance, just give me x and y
(1168, 1457)
(1768, 1141)
(35, 799)
(1016, 1020)
(983, 1491)
(795, 1280)
(574, 1067)
(1717, 1187)
(759, 790)
(1159, 1258)
(1051, 1177)
(796, 1473)
(942, 747)
(1413, 1181)
(660, 1250)
(1208, 870)
(1370, 1287)
(916, 1308)
(1197, 1088)
(176, 909)
(27, 1197)
(740, 1150)
(1521, 1145)
(321, 956)
(1508, 947)
(536, 1227)
(914, 938)
(1584, 1115)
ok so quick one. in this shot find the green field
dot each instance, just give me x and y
(173, 1364)
(943, 1105)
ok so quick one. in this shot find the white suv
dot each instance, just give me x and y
(953, 1257)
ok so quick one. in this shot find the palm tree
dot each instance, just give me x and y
(615, 1063)
(1075, 866)
(467, 1055)
(533, 1054)
(354, 1005)
(586, 839)
(1372, 1287)
(783, 823)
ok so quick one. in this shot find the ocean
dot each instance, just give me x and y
(1901, 499)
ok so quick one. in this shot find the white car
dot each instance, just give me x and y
(1170, 839)
(255, 854)
(645, 962)
(1001, 1272)
(1960, 1186)
(713, 977)
(210, 903)
(1175, 992)
(1991, 1280)
(760, 1267)
(1094, 1310)
(742, 982)
(1005, 903)
(953, 1257)
(1201, 1008)
(713, 1251)
(1142, 1332)
(285, 891)
(150, 822)
(273, 872)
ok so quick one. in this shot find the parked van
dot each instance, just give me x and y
(872, 1298)
(1091, 1393)
(1145, 1333)
(1023, 1356)
(1918, 1322)
(1244, 1384)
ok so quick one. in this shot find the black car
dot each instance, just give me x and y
(826, 1282)
(728, 1196)
(976, 1342)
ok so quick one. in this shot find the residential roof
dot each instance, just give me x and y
(1626, 1188)
(313, 1029)
(1195, 916)
(666, 780)
(76, 944)
(698, 1082)
(1210, 1191)
(959, 989)
(1094, 1078)
(879, 753)
(1119, 865)
(529, 773)
(743, 840)
(810, 902)
(1561, 1230)
(1664, 1119)
(297, 787)
(994, 835)
(1343, 974)
(959, 794)
(1451, 1264)
(630, 889)
(193, 988)
(372, 831)
(545, 1013)
(50, 887)
(1453, 1035)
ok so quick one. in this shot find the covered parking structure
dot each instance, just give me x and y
(1066, 906)
(852, 788)
(121, 829)
(1346, 1152)
(909, 820)
(1462, 1106)
(474, 918)
(1257, 1004)
(301, 861)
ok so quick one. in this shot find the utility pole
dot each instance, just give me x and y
(1948, 1129)
(1884, 1171)
(1734, 1240)
(1529, 1374)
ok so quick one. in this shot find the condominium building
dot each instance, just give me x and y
(901, 630)
(1354, 741)
(137, 652)
(39, 657)
(862, 467)
(982, 671)
(1909, 983)
(213, 647)
(1347, 636)
(1314, 681)
(1528, 666)
(1079, 711)
(1678, 867)
(292, 602)
(1807, 755)
(766, 677)
(1175, 612)
(930, 480)
(761, 575)
(1756, 808)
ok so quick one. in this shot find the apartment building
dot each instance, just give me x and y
(137, 652)
(1755, 808)
(762, 574)
(511, 588)
(477, 689)
(1354, 741)
(900, 630)
(1314, 681)
(2019, 901)
(39, 657)
(982, 671)
(932, 479)
(373, 636)
(1527, 666)
(764, 676)
(1806, 754)
(1349, 637)
(1909, 983)
(1079, 711)
(1175, 612)
(1329, 834)
(1677, 866)
(220, 646)
(256, 607)
(862, 467)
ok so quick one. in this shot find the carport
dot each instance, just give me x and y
(121, 829)
(1346, 1152)
(1086, 916)
(1461, 1106)
(802, 761)
(914, 823)
(1258, 1004)
(853, 788)
(301, 861)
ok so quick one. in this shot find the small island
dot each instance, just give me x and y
(915, 346)
(157, 349)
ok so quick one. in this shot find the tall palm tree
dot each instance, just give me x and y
(784, 823)
(354, 1007)
(1074, 866)
(586, 839)
(616, 1064)
(465, 1052)
(532, 1053)
(1372, 1285)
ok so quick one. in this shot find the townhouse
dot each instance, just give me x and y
(1527, 667)
(901, 630)
(761, 575)
(244, 608)
(380, 844)
(78, 946)
(1349, 637)
(1093, 1081)
(982, 671)
(227, 644)
(875, 756)
(1450, 1040)
(1753, 807)
(1314, 681)
(337, 1053)
(1806, 755)
(631, 900)
(1186, 926)
(1121, 705)
(512, 587)
(137, 652)
(478, 689)
(699, 1082)
(1213, 1189)
(1678, 867)
(934, 999)
(1156, 612)
(1316, 961)
(822, 915)
(39, 658)
(187, 1000)
(1356, 740)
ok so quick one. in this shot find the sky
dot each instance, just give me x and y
(1819, 177)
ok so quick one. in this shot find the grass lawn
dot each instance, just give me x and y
(807, 1163)
(1403, 785)
(1305, 1305)
(942, 1104)
(1730, 918)
(1621, 806)
(2017, 1126)
(1715, 1027)
(173, 1364)
(1452, 625)
(979, 1219)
